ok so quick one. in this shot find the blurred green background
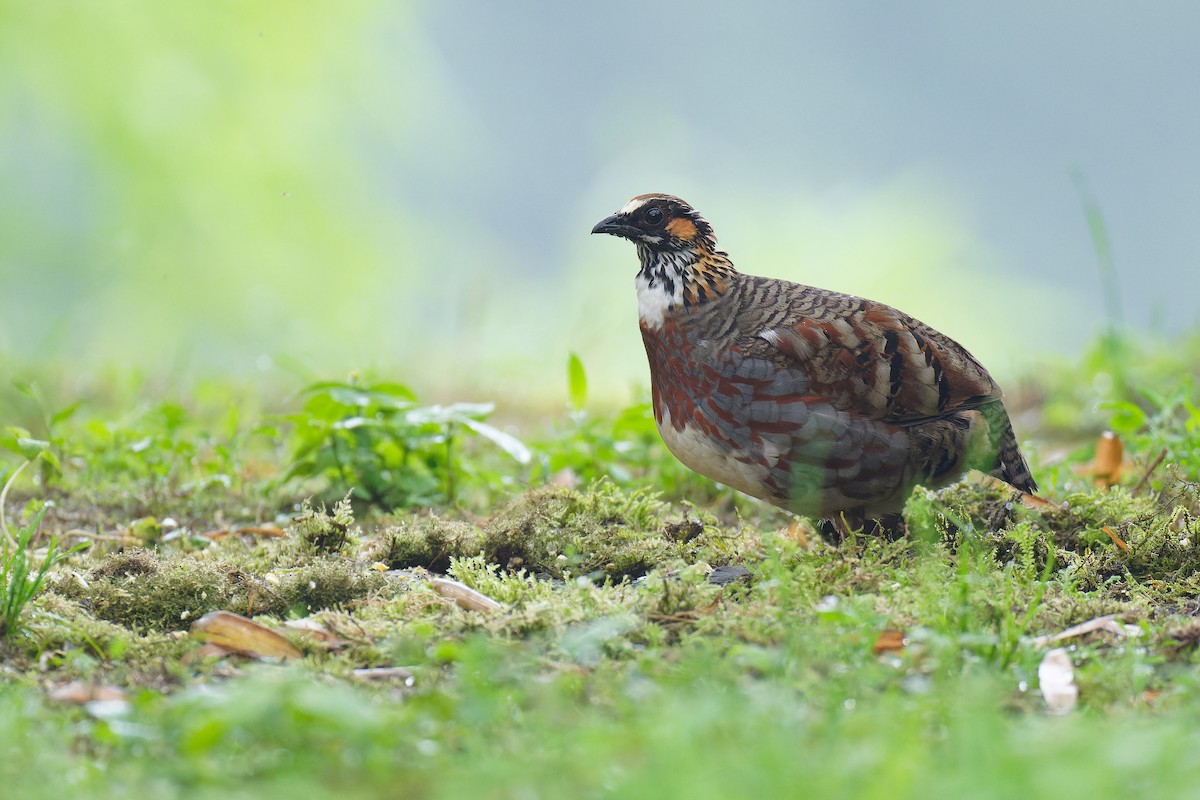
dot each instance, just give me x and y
(256, 189)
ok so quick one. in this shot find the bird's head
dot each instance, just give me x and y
(660, 223)
(681, 265)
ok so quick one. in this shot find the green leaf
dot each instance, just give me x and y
(65, 414)
(395, 390)
(386, 395)
(21, 442)
(506, 442)
(455, 412)
(1126, 417)
(576, 383)
(50, 458)
(28, 389)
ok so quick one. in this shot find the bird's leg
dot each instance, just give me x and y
(847, 523)
(830, 532)
(889, 526)
(838, 529)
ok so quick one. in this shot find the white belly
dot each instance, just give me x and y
(693, 449)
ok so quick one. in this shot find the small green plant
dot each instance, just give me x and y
(395, 453)
(1166, 422)
(153, 452)
(576, 385)
(19, 585)
(45, 452)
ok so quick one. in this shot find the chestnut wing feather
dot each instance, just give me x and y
(874, 361)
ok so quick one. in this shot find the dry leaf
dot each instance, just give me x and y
(795, 533)
(102, 702)
(1032, 501)
(317, 633)
(245, 530)
(1106, 468)
(205, 652)
(1117, 540)
(402, 674)
(244, 636)
(889, 641)
(79, 693)
(1109, 623)
(1109, 462)
(464, 596)
(1056, 679)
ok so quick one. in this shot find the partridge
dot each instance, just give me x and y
(825, 404)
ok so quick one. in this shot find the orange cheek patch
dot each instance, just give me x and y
(682, 228)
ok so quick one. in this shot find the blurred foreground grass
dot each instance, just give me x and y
(656, 636)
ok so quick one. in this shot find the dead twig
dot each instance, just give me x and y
(251, 530)
(1146, 475)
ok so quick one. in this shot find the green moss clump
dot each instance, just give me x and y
(143, 593)
(324, 532)
(128, 564)
(326, 583)
(429, 542)
(66, 631)
(554, 532)
(601, 531)
(146, 593)
(1100, 536)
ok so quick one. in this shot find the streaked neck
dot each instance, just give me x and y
(679, 281)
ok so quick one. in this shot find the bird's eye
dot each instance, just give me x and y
(654, 216)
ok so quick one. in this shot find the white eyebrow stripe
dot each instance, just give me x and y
(633, 205)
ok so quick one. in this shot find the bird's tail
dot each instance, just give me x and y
(1010, 465)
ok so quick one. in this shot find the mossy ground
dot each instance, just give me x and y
(609, 622)
(649, 643)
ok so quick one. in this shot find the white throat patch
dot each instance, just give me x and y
(654, 299)
(660, 283)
